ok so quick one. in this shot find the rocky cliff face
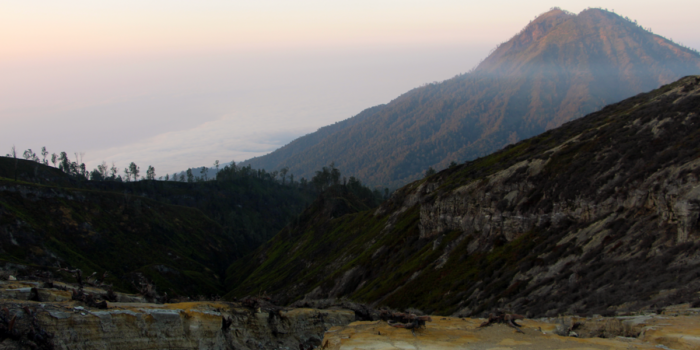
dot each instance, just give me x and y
(618, 200)
(597, 216)
(64, 324)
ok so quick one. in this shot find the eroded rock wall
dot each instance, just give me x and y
(196, 325)
(601, 214)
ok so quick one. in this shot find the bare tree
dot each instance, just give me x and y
(79, 157)
(102, 168)
(64, 163)
(14, 155)
(134, 170)
(151, 173)
(29, 155)
(44, 153)
(114, 170)
(79, 165)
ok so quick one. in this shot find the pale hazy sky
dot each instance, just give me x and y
(178, 84)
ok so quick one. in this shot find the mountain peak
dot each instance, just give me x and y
(598, 12)
(553, 14)
(536, 29)
(591, 39)
(560, 67)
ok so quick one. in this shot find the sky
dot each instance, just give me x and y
(178, 84)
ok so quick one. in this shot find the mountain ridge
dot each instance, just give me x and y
(559, 67)
(598, 216)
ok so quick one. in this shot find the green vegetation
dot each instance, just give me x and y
(284, 262)
(181, 236)
(102, 231)
(249, 204)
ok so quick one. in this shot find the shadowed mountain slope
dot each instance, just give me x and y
(249, 208)
(600, 215)
(178, 248)
(181, 236)
(558, 68)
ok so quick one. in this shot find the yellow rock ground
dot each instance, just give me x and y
(657, 332)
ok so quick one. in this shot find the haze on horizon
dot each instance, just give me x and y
(177, 84)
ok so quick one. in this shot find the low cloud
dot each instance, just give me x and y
(187, 111)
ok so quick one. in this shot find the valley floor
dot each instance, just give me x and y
(671, 330)
(40, 316)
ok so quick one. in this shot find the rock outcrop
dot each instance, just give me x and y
(68, 324)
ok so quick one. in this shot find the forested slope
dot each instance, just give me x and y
(181, 236)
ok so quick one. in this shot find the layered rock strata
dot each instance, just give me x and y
(138, 325)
